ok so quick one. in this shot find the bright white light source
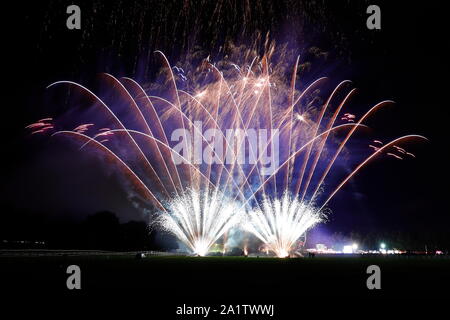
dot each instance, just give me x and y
(347, 249)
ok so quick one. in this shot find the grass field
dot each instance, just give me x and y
(218, 278)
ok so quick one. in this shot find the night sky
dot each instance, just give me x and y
(405, 61)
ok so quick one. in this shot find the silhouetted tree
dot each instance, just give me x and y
(101, 231)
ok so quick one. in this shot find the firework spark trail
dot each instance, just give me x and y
(265, 84)
(362, 164)
(308, 152)
(217, 128)
(144, 121)
(394, 155)
(291, 112)
(172, 77)
(342, 144)
(269, 97)
(290, 130)
(236, 112)
(157, 120)
(198, 210)
(41, 126)
(141, 153)
(245, 128)
(323, 141)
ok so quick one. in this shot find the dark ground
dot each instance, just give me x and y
(193, 279)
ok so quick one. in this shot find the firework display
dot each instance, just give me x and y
(236, 145)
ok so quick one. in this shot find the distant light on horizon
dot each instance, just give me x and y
(347, 249)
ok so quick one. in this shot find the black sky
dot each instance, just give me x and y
(407, 61)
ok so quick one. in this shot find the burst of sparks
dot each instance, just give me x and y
(281, 222)
(199, 219)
